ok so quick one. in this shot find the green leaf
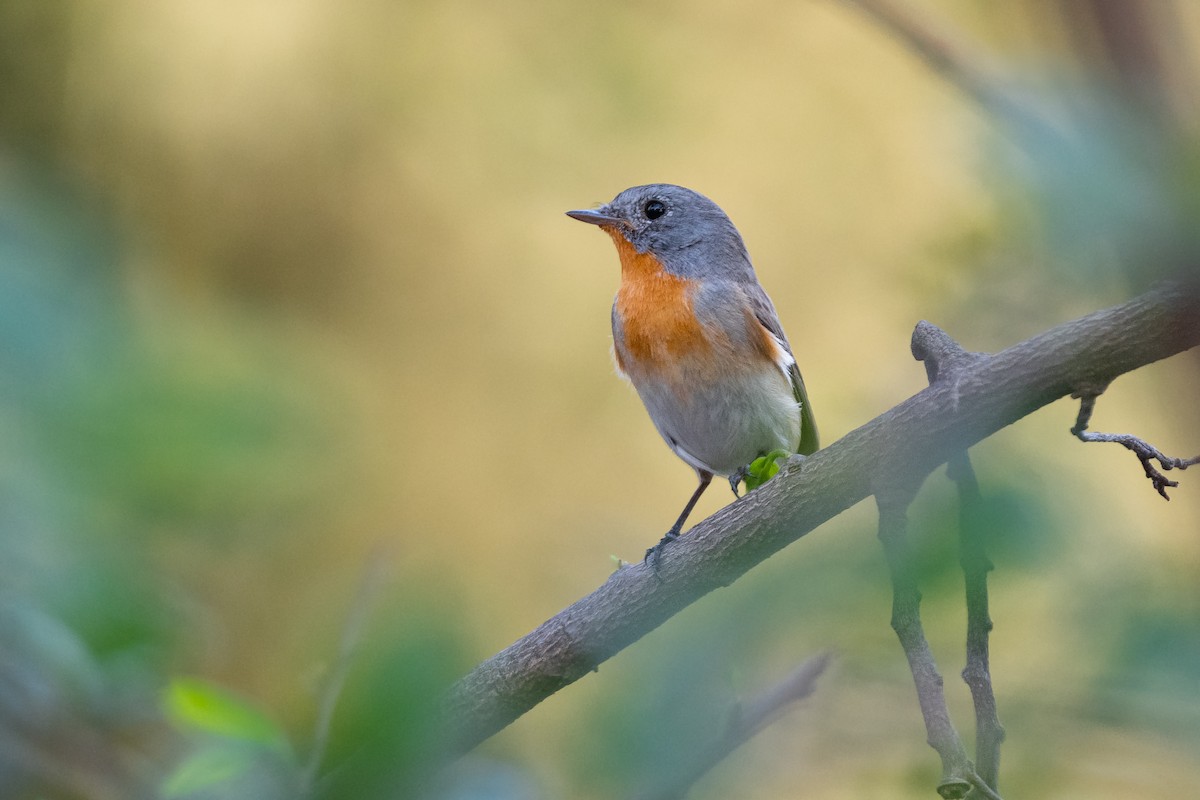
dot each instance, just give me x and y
(199, 705)
(207, 767)
(763, 468)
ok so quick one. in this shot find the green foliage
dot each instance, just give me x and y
(192, 703)
(1017, 526)
(763, 468)
(208, 767)
(235, 746)
(232, 739)
(114, 433)
(386, 739)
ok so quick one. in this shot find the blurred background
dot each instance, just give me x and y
(286, 290)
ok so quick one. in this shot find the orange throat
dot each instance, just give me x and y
(655, 309)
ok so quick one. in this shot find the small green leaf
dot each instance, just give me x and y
(763, 468)
(207, 767)
(199, 705)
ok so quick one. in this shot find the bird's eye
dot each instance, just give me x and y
(655, 209)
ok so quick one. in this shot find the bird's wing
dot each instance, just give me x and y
(764, 312)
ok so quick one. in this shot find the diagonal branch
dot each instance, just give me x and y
(745, 721)
(915, 437)
(938, 48)
(962, 64)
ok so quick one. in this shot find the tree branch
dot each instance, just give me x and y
(964, 66)
(944, 361)
(957, 770)
(913, 438)
(1146, 452)
(745, 720)
(989, 733)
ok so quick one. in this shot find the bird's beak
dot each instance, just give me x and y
(597, 217)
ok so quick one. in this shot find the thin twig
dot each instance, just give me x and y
(906, 621)
(368, 588)
(745, 720)
(989, 733)
(1146, 452)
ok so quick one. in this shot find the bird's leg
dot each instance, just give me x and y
(653, 554)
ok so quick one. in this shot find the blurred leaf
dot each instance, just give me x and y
(193, 703)
(386, 739)
(46, 665)
(216, 763)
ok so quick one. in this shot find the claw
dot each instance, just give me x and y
(654, 554)
(737, 477)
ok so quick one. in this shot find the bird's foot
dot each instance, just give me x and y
(654, 554)
(737, 477)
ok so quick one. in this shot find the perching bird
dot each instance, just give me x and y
(698, 337)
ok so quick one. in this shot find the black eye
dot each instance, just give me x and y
(655, 209)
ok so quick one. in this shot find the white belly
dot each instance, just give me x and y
(725, 426)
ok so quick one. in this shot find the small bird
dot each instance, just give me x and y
(699, 339)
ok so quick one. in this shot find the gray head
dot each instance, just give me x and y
(688, 233)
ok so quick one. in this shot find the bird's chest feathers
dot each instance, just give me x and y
(657, 319)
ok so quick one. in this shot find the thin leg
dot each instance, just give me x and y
(653, 553)
(705, 479)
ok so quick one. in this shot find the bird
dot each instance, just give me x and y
(699, 339)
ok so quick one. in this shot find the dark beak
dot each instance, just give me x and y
(595, 217)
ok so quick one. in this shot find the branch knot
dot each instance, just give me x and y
(944, 359)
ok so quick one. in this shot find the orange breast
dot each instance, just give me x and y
(656, 314)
